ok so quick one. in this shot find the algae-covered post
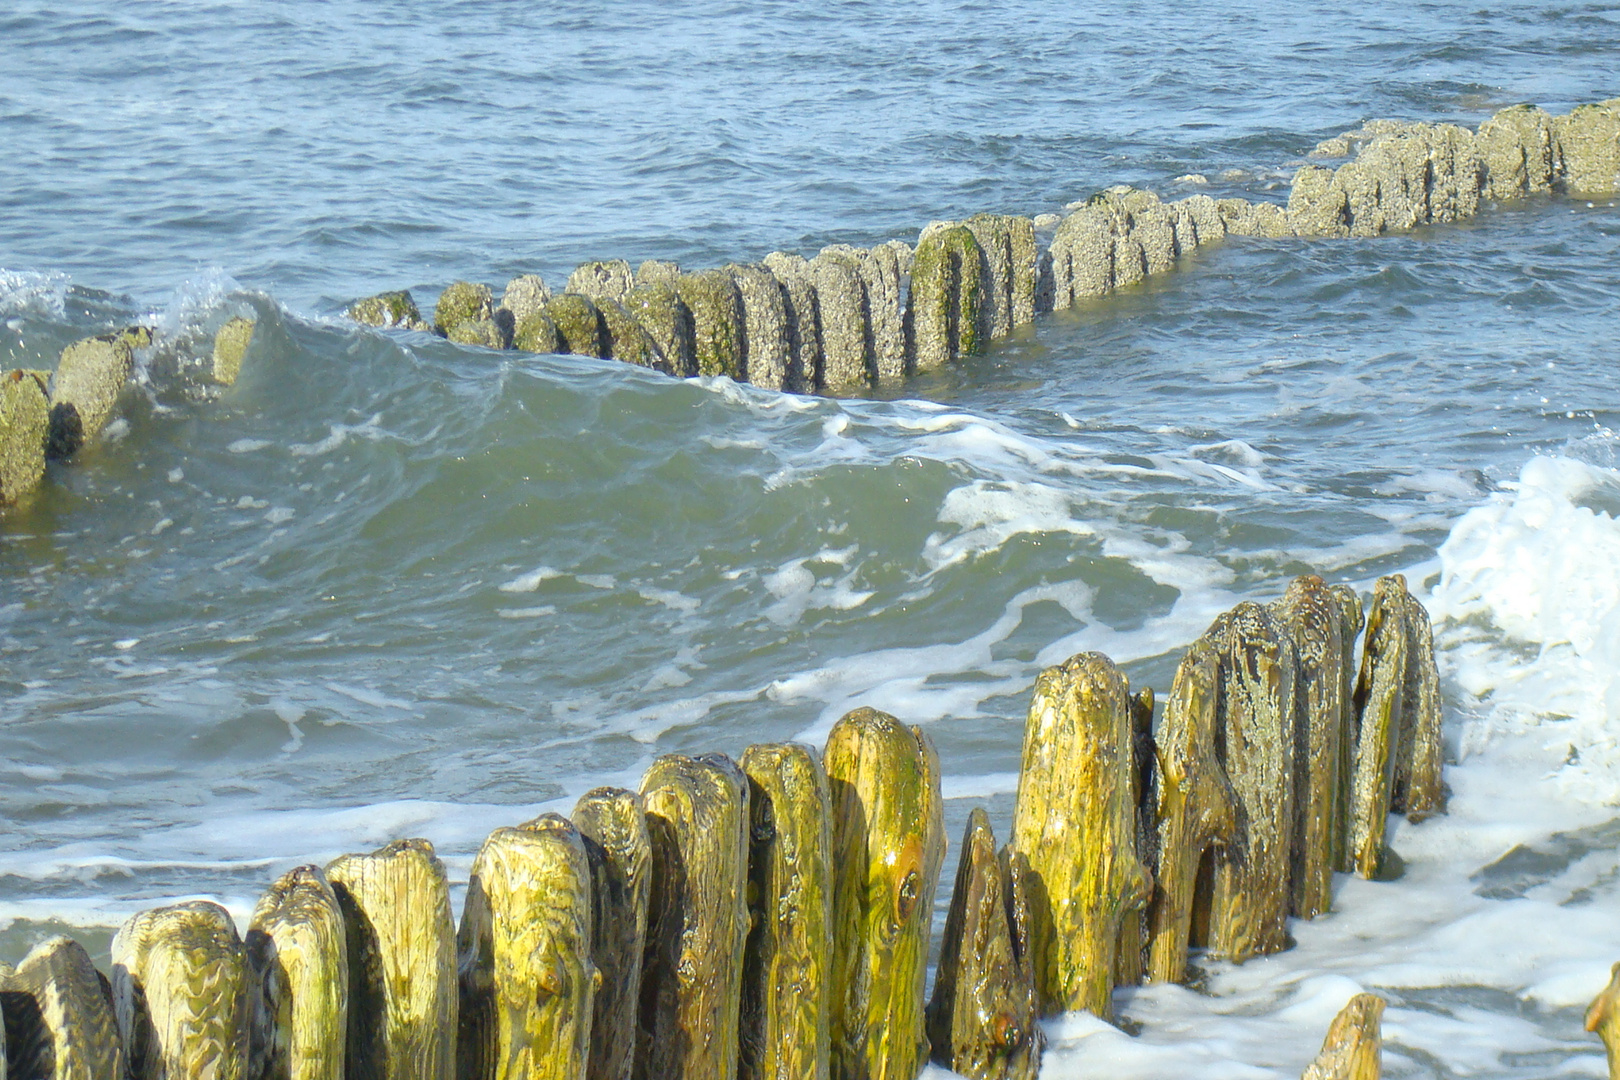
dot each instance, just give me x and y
(1417, 789)
(1380, 694)
(59, 1024)
(230, 348)
(888, 843)
(1075, 824)
(787, 964)
(947, 294)
(297, 947)
(983, 1018)
(526, 977)
(183, 994)
(1196, 807)
(841, 307)
(765, 327)
(402, 962)
(1353, 1049)
(613, 824)
(691, 980)
(24, 423)
(89, 376)
(717, 322)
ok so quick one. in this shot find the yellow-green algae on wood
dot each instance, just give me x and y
(1250, 903)
(624, 338)
(230, 348)
(691, 980)
(947, 276)
(1380, 694)
(89, 376)
(579, 324)
(182, 994)
(1195, 810)
(982, 1020)
(1418, 790)
(660, 311)
(1131, 957)
(460, 302)
(1351, 622)
(388, 309)
(1310, 612)
(803, 319)
(527, 981)
(402, 962)
(59, 1023)
(525, 295)
(24, 426)
(787, 962)
(1353, 1049)
(888, 843)
(1075, 824)
(613, 825)
(297, 948)
(717, 322)
(1603, 1017)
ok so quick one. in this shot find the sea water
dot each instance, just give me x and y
(390, 586)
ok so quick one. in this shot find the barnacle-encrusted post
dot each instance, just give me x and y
(1256, 730)
(982, 1019)
(1380, 695)
(1604, 1018)
(1195, 809)
(59, 1024)
(182, 994)
(402, 962)
(298, 950)
(943, 312)
(787, 964)
(527, 981)
(691, 989)
(888, 843)
(1075, 823)
(613, 823)
(717, 322)
(1309, 612)
(1353, 1049)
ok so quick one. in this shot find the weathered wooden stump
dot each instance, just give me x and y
(527, 982)
(402, 963)
(947, 295)
(717, 322)
(59, 1024)
(1380, 695)
(983, 1019)
(888, 842)
(765, 325)
(787, 963)
(297, 947)
(691, 981)
(841, 307)
(1353, 1049)
(613, 823)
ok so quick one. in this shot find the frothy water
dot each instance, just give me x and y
(388, 585)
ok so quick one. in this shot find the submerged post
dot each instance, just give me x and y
(888, 843)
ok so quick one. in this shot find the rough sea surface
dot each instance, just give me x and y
(390, 586)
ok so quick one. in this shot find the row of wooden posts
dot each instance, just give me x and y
(772, 917)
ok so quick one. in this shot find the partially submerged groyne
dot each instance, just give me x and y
(850, 319)
(771, 916)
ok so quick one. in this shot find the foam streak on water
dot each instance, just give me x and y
(387, 585)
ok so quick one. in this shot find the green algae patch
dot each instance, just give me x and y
(460, 302)
(388, 309)
(626, 338)
(947, 292)
(579, 325)
(717, 322)
(659, 309)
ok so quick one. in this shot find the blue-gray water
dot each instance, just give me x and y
(389, 585)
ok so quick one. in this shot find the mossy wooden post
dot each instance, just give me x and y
(691, 980)
(526, 977)
(1082, 253)
(1603, 1017)
(579, 325)
(765, 329)
(1309, 612)
(1075, 823)
(183, 994)
(888, 839)
(787, 963)
(24, 425)
(667, 321)
(230, 348)
(943, 312)
(1380, 694)
(297, 947)
(717, 322)
(983, 1019)
(466, 313)
(84, 388)
(841, 306)
(1350, 625)
(402, 962)
(613, 822)
(1195, 806)
(1353, 1049)
(58, 1022)
(1418, 790)
(389, 309)
(1250, 905)
(624, 338)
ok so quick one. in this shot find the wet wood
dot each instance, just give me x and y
(402, 962)
(182, 994)
(1380, 696)
(787, 965)
(1075, 824)
(982, 1020)
(1604, 1018)
(888, 843)
(691, 991)
(1418, 790)
(1195, 806)
(1131, 959)
(59, 1024)
(526, 978)
(1353, 1049)
(298, 949)
(613, 823)
(1351, 622)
